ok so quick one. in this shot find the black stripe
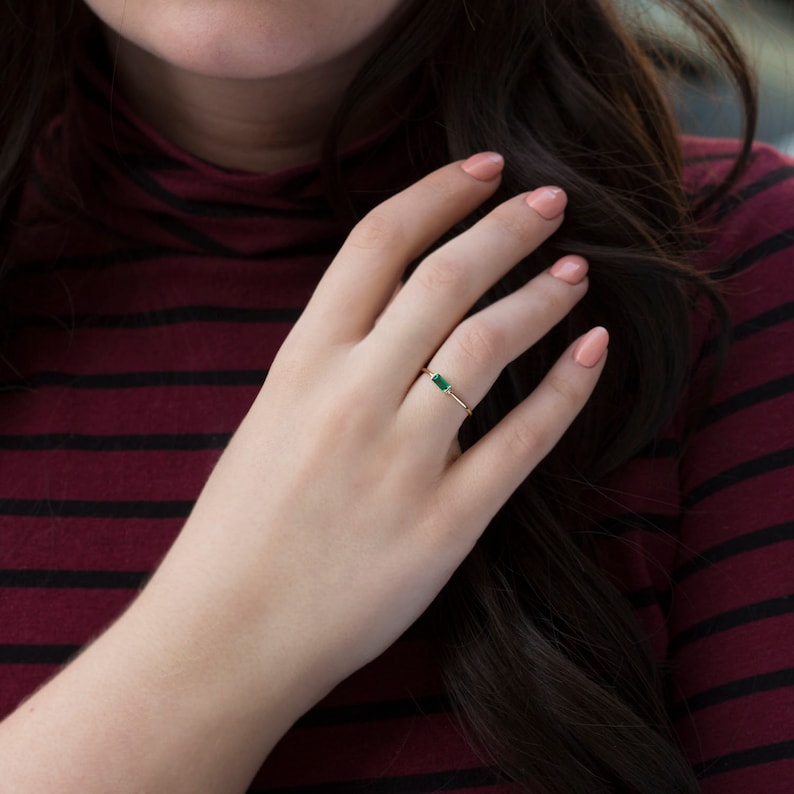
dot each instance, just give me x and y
(373, 712)
(733, 200)
(703, 191)
(753, 189)
(137, 380)
(751, 541)
(160, 317)
(37, 654)
(120, 443)
(774, 607)
(143, 178)
(761, 322)
(450, 780)
(768, 754)
(203, 243)
(84, 508)
(710, 158)
(747, 192)
(746, 687)
(96, 261)
(747, 399)
(134, 255)
(208, 209)
(766, 248)
(750, 613)
(743, 471)
(74, 580)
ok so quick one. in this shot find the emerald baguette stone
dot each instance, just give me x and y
(441, 383)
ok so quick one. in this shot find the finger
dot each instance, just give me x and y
(448, 282)
(482, 479)
(368, 267)
(485, 343)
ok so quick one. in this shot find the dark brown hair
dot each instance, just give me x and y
(553, 678)
(544, 660)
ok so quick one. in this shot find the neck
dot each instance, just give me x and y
(249, 124)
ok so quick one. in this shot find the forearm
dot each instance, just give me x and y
(167, 700)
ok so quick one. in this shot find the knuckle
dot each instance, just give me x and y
(526, 439)
(564, 388)
(345, 416)
(521, 225)
(555, 302)
(480, 341)
(441, 273)
(442, 187)
(377, 230)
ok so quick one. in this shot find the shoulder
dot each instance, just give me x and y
(755, 220)
(732, 614)
(748, 250)
(747, 237)
(707, 161)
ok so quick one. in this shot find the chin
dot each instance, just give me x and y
(246, 39)
(220, 52)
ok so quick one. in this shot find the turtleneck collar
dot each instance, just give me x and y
(133, 181)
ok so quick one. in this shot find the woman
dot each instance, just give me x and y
(173, 224)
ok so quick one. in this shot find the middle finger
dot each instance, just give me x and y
(449, 281)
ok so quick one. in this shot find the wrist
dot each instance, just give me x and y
(206, 646)
(175, 696)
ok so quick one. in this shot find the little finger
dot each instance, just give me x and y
(481, 480)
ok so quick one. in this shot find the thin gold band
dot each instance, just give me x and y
(443, 384)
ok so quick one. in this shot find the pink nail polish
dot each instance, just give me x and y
(591, 347)
(484, 166)
(572, 269)
(548, 202)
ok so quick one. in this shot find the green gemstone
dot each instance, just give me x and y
(441, 383)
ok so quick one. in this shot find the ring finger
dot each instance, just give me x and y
(473, 356)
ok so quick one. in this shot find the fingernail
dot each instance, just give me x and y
(591, 347)
(572, 269)
(484, 166)
(548, 202)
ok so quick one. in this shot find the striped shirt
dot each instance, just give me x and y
(138, 325)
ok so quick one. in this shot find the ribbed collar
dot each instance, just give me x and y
(133, 181)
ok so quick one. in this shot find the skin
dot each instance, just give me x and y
(333, 477)
(231, 642)
(247, 84)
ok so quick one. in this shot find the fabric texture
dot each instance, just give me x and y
(139, 322)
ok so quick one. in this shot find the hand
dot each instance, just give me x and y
(343, 505)
(339, 510)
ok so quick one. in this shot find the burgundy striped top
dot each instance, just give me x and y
(138, 325)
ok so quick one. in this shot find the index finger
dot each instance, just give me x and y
(364, 274)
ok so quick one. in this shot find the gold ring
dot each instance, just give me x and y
(445, 387)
